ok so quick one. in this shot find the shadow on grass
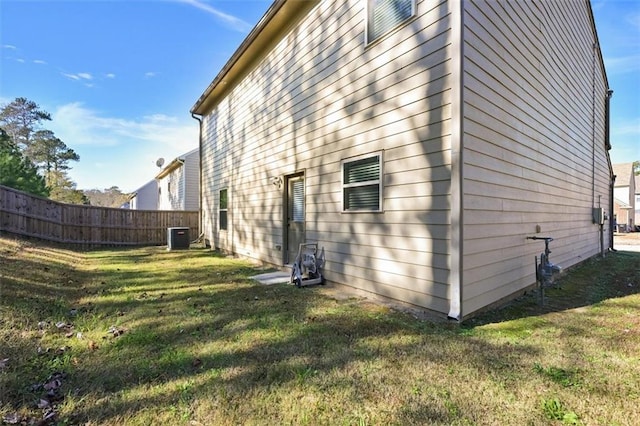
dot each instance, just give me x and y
(194, 317)
(195, 325)
(256, 340)
(592, 282)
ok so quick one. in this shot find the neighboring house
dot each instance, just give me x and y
(624, 192)
(623, 213)
(418, 142)
(179, 183)
(637, 182)
(145, 197)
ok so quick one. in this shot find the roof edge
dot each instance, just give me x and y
(178, 162)
(279, 17)
(253, 34)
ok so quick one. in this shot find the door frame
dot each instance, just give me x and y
(285, 213)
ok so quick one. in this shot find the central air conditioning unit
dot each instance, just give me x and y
(177, 238)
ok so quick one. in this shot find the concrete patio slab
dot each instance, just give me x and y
(270, 278)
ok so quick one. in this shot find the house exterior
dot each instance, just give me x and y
(637, 216)
(418, 142)
(623, 214)
(145, 197)
(179, 183)
(624, 193)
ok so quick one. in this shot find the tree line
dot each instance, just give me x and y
(34, 160)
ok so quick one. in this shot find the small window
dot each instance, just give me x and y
(385, 15)
(223, 209)
(362, 184)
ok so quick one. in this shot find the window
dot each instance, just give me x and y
(385, 15)
(222, 216)
(297, 200)
(362, 184)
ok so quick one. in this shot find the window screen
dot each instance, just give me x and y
(362, 189)
(385, 15)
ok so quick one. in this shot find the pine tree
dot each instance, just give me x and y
(50, 153)
(63, 189)
(18, 172)
(20, 119)
(28, 147)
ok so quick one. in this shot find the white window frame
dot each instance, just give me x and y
(368, 22)
(378, 182)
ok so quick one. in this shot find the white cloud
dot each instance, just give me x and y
(149, 74)
(235, 23)
(629, 127)
(39, 61)
(71, 76)
(84, 77)
(77, 125)
(20, 60)
(110, 75)
(9, 46)
(118, 151)
(634, 20)
(622, 64)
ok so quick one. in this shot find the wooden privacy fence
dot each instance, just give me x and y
(31, 216)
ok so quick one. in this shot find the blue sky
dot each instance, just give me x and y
(119, 76)
(618, 25)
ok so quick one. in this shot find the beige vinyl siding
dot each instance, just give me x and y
(533, 141)
(318, 98)
(167, 191)
(171, 190)
(191, 181)
(179, 183)
(177, 188)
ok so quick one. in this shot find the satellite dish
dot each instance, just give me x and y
(160, 162)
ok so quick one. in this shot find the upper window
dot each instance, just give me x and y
(362, 184)
(385, 15)
(223, 210)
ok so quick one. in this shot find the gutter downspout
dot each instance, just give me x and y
(611, 221)
(593, 124)
(607, 144)
(607, 120)
(456, 279)
(183, 184)
(199, 118)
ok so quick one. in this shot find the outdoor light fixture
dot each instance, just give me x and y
(276, 181)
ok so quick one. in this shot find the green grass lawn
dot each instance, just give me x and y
(146, 336)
